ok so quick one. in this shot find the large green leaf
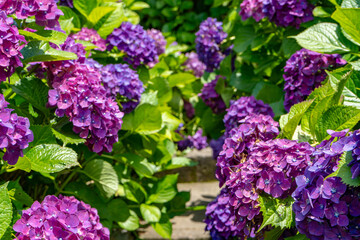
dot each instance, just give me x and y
(147, 119)
(244, 38)
(67, 136)
(42, 135)
(181, 79)
(85, 7)
(139, 164)
(276, 212)
(325, 38)
(70, 14)
(163, 227)
(134, 191)
(165, 190)
(349, 20)
(110, 21)
(150, 213)
(6, 209)
(45, 35)
(48, 158)
(104, 176)
(131, 223)
(119, 211)
(350, 4)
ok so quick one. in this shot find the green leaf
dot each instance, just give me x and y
(244, 38)
(109, 22)
(139, 6)
(119, 211)
(273, 234)
(178, 162)
(165, 190)
(34, 91)
(349, 21)
(325, 38)
(48, 158)
(134, 191)
(104, 176)
(147, 119)
(17, 193)
(70, 14)
(85, 7)
(6, 209)
(297, 237)
(150, 213)
(100, 12)
(131, 223)
(320, 12)
(336, 118)
(276, 212)
(350, 4)
(45, 35)
(140, 164)
(42, 135)
(39, 51)
(181, 79)
(344, 170)
(163, 227)
(290, 121)
(67, 136)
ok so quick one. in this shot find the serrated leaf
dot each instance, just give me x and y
(348, 19)
(104, 176)
(276, 212)
(42, 135)
(109, 22)
(324, 38)
(150, 213)
(99, 12)
(165, 190)
(45, 35)
(6, 209)
(67, 137)
(344, 171)
(85, 7)
(131, 223)
(350, 4)
(48, 158)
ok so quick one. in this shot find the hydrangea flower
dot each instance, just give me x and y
(189, 109)
(46, 12)
(79, 95)
(134, 41)
(160, 42)
(216, 145)
(60, 218)
(121, 82)
(15, 134)
(90, 35)
(208, 43)
(211, 98)
(197, 141)
(283, 13)
(11, 44)
(304, 71)
(194, 64)
(241, 108)
(355, 163)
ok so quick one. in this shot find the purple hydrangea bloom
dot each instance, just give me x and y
(216, 145)
(134, 41)
(208, 43)
(46, 12)
(211, 98)
(194, 64)
(252, 8)
(11, 44)
(241, 108)
(197, 141)
(90, 35)
(189, 109)
(355, 163)
(304, 71)
(160, 42)
(121, 82)
(15, 134)
(79, 95)
(60, 218)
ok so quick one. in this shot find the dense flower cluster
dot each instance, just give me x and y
(325, 208)
(121, 82)
(79, 95)
(160, 42)
(90, 35)
(283, 13)
(216, 145)
(194, 64)
(10, 41)
(211, 98)
(15, 134)
(197, 141)
(355, 163)
(46, 12)
(60, 218)
(304, 72)
(208, 43)
(134, 41)
(241, 108)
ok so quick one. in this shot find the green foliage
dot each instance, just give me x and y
(6, 209)
(150, 213)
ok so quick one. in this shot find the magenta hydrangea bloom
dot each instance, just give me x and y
(241, 108)
(134, 41)
(46, 12)
(216, 145)
(121, 82)
(197, 141)
(60, 218)
(305, 71)
(79, 95)
(252, 8)
(90, 35)
(11, 44)
(194, 65)
(208, 43)
(211, 98)
(15, 134)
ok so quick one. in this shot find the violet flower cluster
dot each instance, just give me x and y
(135, 42)
(283, 13)
(241, 108)
(11, 44)
(46, 12)
(325, 208)
(304, 71)
(194, 65)
(90, 35)
(355, 163)
(60, 218)
(189, 109)
(197, 141)
(15, 134)
(211, 98)
(122, 83)
(160, 42)
(216, 145)
(79, 95)
(208, 43)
